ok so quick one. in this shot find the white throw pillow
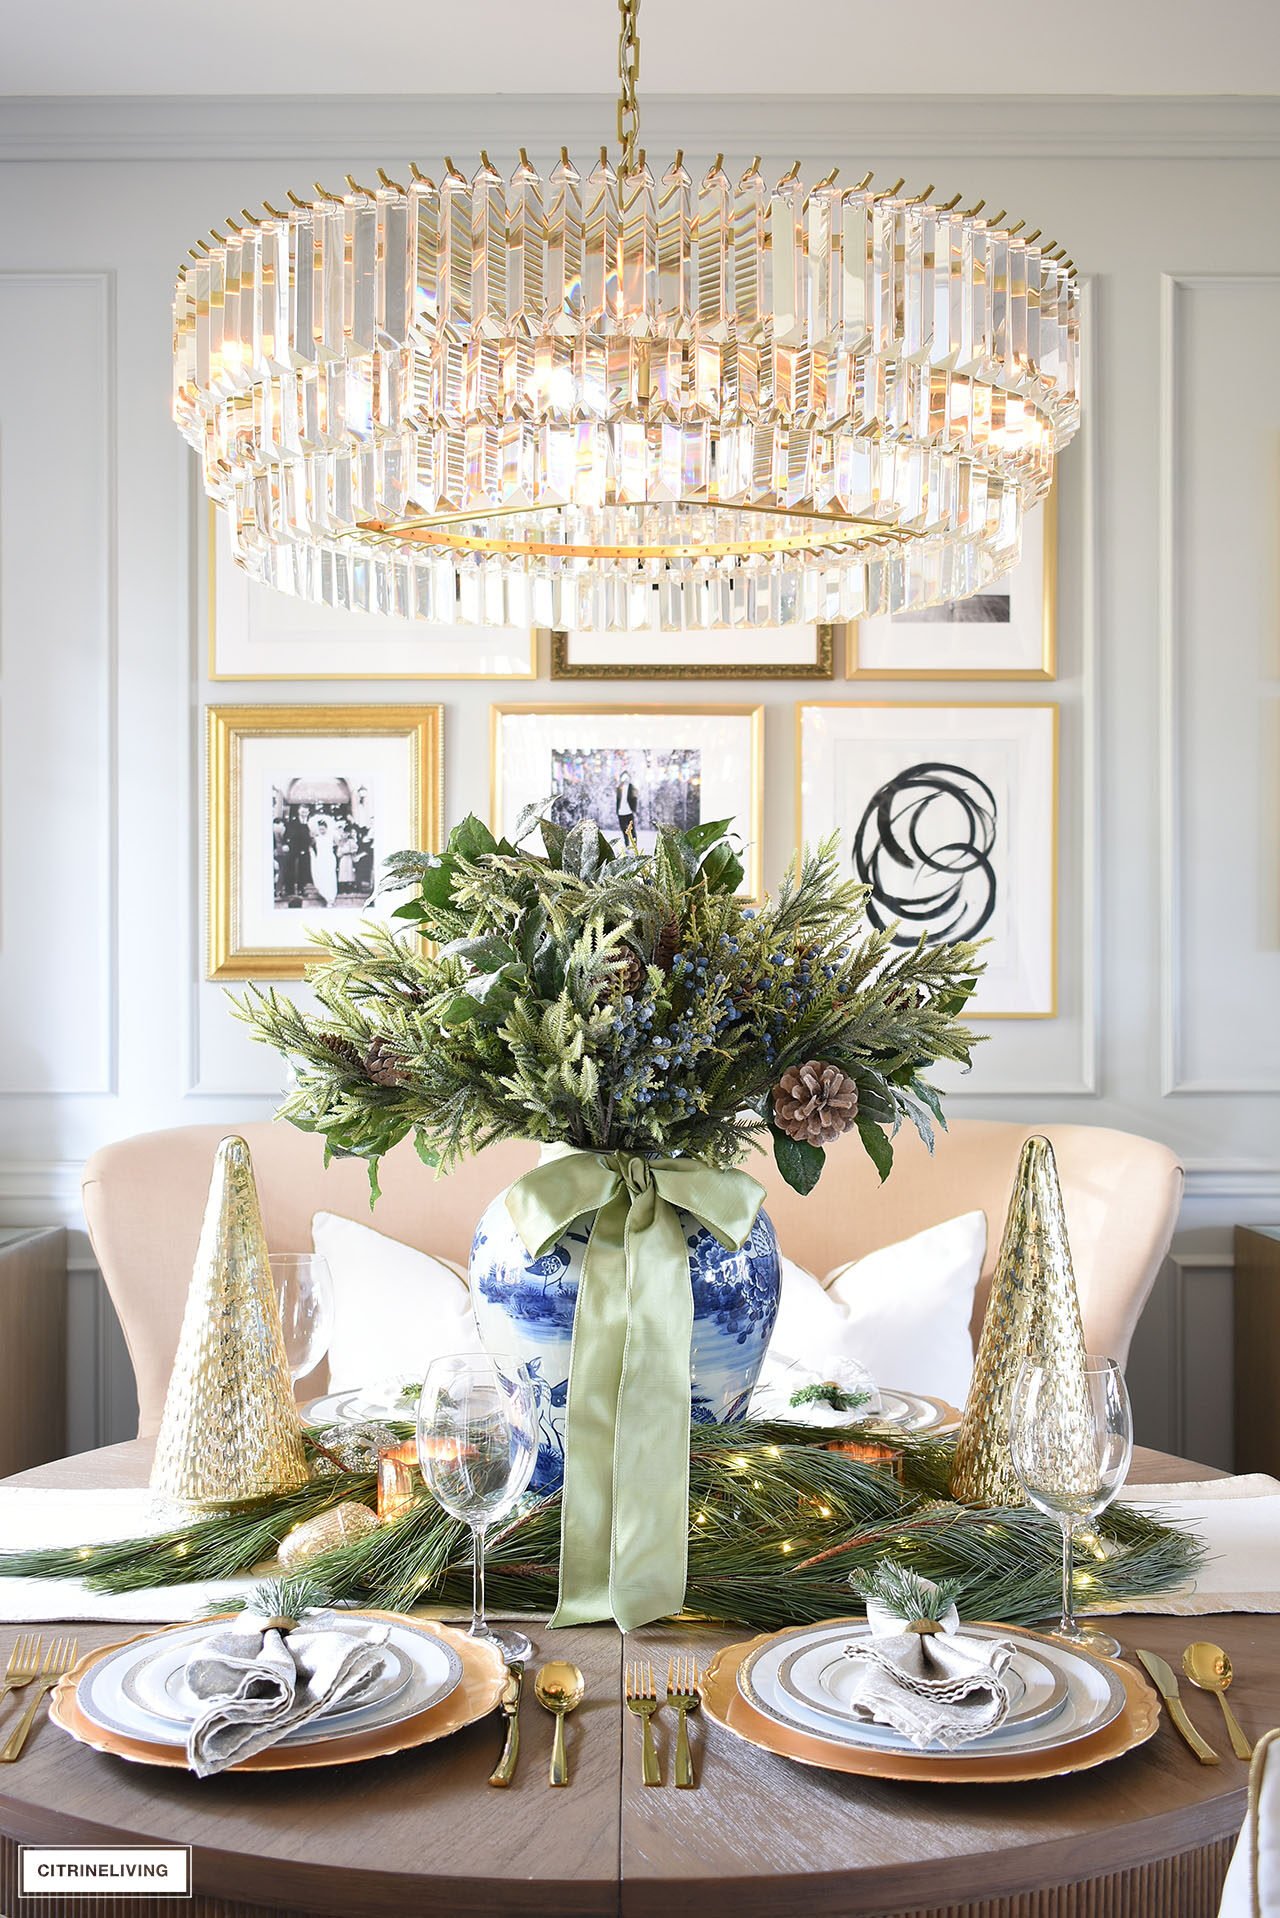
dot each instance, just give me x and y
(394, 1308)
(903, 1312)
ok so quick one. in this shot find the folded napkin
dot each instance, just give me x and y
(256, 1681)
(938, 1687)
(809, 1395)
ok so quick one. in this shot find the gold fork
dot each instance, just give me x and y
(684, 1697)
(24, 1663)
(59, 1658)
(643, 1700)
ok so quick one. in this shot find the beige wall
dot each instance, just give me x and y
(1168, 610)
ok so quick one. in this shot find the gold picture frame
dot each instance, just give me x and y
(231, 953)
(406, 671)
(824, 666)
(1048, 603)
(1053, 865)
(750, 828)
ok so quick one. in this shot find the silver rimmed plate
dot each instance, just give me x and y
(109, 1693)
(158, 1686)
(357, 1403)
(909, 1411)
(1066, 1694)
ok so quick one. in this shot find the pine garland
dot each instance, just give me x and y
(781, 1522)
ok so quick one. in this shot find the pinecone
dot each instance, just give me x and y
(342, 1052)
(667, 945)
(383, 1066)
(815, 1103)
(632, 973)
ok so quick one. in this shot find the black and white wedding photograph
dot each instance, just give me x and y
(322, 842)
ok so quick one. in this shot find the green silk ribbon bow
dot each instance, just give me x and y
(624, 1527)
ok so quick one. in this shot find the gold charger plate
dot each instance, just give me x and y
(474, 1697)
(725, 1703)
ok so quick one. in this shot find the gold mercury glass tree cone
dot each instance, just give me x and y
(1033, 1312)
(230, 1430)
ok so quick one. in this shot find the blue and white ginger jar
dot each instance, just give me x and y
(525, 1306)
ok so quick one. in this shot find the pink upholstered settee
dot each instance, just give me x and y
(144, 1199)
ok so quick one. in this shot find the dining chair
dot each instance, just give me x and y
(1252, 1887)
(144, 1199)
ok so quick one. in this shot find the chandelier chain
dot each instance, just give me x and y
(628, 80)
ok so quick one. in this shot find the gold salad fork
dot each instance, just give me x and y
(24, 1663)
(684, 1697)
(643, 1700)
(59, 1658)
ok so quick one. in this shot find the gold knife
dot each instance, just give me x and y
(1167, 1686)
(509, 1706)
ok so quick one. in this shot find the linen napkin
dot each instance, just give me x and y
(807, 1395)
(257, 1681)
(941, 1687)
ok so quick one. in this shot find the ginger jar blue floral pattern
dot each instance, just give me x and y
(525, 1306)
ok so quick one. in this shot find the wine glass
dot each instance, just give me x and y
(304, 1289)
(477, 1447)
(1071, 1448)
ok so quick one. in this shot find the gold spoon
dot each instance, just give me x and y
(1209, 1668)
(560, 1688)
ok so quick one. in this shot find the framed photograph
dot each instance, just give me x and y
(950, 815)
(258, 633)
(632, 769)
(774, 652)
(1008, 633)
(305, 804)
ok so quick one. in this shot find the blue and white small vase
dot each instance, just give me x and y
(525, 1306)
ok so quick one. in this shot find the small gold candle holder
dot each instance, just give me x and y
(399, 1480)
(868, 1452)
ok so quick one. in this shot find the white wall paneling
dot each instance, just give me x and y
(1168, 619)
(1220, 620)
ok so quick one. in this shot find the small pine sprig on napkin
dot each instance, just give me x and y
(288, 1598)
(905, 1593)
(827, 1392)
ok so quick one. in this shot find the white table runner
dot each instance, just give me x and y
(1239, 1521)
(30, 1517)
(1238, 1518)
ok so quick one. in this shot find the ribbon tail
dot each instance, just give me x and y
(591, 1416)
(650, 1537)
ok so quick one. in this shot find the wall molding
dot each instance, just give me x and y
(104, 281)
(1028, 126)
(47, 1191)
(1173, 1081)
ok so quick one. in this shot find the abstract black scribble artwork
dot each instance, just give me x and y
(924, 845)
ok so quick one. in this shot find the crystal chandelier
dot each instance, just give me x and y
(619, 399)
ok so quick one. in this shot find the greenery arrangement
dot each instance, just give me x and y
(785, 1527)
(615, 1000)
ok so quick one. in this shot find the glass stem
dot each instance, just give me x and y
(1068, 1610)
(479, 1623)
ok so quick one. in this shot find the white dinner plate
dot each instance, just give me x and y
(158, 1685)
(358, 1403)
(108, 1692)
(1091, 1693)
(907, 1410)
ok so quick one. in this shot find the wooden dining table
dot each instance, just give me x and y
(423, 1835)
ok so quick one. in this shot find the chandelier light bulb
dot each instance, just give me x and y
(622, 398)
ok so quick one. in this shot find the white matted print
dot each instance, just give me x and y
(305, 804)
(1007, 633)
(949, 815)
(632, 769)
(256, 632)
(720, 652)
